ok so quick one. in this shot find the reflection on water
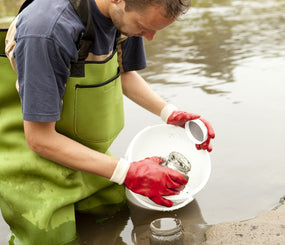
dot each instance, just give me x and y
(224, 59)
(131, 226)
(212, 39)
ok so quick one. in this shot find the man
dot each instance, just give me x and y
(58, 161)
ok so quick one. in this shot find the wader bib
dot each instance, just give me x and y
(38, 197)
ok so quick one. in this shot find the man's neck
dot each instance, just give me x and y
(103, 6)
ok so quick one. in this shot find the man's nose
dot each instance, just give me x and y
(149, 35)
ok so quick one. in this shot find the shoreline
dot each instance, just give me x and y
(266, 228)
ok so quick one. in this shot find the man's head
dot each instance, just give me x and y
(145, 17)
(172, 8)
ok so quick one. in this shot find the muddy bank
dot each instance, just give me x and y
(266, 228)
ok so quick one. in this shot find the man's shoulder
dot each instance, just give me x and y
(51, 19)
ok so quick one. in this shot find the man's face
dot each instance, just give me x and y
(144, 23)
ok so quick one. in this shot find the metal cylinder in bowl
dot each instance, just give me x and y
(178, 162)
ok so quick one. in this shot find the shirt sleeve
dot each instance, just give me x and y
(131, 54)
(42, 69)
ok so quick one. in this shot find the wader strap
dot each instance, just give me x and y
(86, 38)
(25, 4)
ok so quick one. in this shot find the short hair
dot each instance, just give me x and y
(172, 8)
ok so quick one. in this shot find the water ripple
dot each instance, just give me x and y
(213, 39)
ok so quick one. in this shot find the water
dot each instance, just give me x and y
(225, 60)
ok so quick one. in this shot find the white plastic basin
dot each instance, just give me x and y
(160, 140)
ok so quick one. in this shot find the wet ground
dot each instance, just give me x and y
(225, 60)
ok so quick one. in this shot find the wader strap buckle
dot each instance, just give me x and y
(77, 69)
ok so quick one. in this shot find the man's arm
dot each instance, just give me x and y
(136, 89)
(159, 181)
(43, 139)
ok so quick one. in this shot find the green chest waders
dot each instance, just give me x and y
(38, 197)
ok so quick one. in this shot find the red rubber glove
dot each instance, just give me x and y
(148, 178)
(179, 118)
(211, 135)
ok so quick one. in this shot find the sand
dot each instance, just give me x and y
(267, 228)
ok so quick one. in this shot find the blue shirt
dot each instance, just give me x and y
(46, 32)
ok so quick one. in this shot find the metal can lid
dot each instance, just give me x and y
(196, 131)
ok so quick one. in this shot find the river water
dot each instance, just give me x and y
(224, 60)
